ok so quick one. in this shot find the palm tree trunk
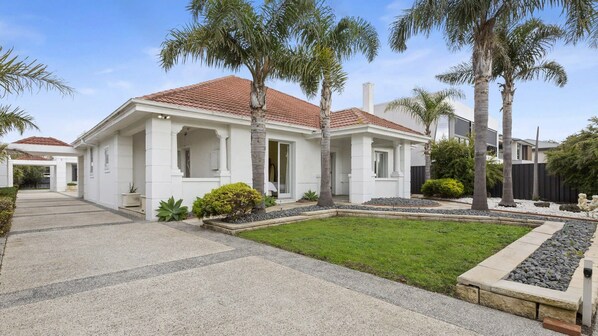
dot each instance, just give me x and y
(507, 140)
(428, 160)
(325, 198)
(258, 139)
(482, 67)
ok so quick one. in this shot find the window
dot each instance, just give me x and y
(518, 157)
(462, 127)
(107, 159)
(491, 137)
(381, 164)
(91, 161)
(74, 173)
(187, 162)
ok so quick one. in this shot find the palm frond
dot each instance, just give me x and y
(550, 71)
(20, 75)
(15, 119)
(458, 74)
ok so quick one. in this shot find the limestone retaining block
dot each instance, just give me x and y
(508, 304)
(467, 293)
(568, 316)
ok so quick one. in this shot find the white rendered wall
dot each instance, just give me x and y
(4, 173)
(139, 161)
(342, 150)
(158, 159)
(123, 165)
(240, 154)
(107, 176)
(362, 176)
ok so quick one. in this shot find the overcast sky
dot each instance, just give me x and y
(107, 51)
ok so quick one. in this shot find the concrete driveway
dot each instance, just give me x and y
(73, 268)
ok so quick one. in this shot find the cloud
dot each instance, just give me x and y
(393, 9)
(105, 71)
(87, 91)
(11, 32)
(120, 84)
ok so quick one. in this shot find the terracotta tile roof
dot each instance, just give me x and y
(27, 156)
(355, 116)
(231, 95)
(44, 141)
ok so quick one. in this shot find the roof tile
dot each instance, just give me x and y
(44, 141)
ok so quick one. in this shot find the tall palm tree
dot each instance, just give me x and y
(466, 22)
(519, 52)
(232, 34)
(326, 44)
(427, 107)
(18, 75)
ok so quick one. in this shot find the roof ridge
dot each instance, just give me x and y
(184, 88)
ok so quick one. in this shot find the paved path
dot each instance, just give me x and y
(72, 268)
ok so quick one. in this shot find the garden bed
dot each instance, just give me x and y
(402, 202)
(425, 253)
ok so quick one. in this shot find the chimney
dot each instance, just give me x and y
(368, 97)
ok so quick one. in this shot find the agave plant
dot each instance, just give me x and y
(172, 210)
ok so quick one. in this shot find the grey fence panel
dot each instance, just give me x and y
(552, 188)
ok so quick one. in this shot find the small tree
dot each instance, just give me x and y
(455, 159)
(328, 43)
(576, 159)
(427, 107)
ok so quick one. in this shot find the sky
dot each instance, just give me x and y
(107, 50)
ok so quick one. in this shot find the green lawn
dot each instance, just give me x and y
(426, 254)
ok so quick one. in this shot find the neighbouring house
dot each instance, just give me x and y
(458, 127)
(58, 157)
(187, 141)
(543, 147)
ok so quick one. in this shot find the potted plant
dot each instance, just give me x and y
(132, 198)
(71, 186)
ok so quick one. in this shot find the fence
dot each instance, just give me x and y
(551, 188)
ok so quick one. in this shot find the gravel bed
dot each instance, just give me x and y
(528, 206)
(552, 265)
(401, 202)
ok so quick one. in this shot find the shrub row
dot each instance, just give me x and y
(446, 188)
(8, 198)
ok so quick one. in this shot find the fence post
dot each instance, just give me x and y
(587, 293)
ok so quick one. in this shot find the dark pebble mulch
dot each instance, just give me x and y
(551, 266)
(401, 202)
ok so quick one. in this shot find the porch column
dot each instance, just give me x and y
(362, 177)
(53, 178)
(60, 175)
(397, 172)
(81, 176)
(406, 168)
(158, 168)
(223, 171)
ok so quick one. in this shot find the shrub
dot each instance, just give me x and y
(269, 201)
(172, 210)
(9, 192)
(231, 200)
(576, 159)
(6, 203)
(310, 196)
(455, 160)
(5, 221)
(446, 188)
(71, 184)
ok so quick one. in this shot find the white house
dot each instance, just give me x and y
(459, 127)
(58, 156)
(187, 141)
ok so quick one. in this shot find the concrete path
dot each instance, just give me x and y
(72, 268)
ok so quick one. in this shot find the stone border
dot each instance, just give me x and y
(232, 229)
(485, 284)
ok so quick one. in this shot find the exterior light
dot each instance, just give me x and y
(163, 116)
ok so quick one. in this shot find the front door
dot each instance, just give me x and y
(279, 168)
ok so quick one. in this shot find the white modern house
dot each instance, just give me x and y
(523, 150)
(58, 156)
(459, 127)
(187, 141)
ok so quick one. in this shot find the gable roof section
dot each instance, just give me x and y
(43, 141)
(230, 95)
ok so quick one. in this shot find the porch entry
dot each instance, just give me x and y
(279, 169)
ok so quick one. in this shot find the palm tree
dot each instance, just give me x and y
(325, 45)
(18, 75)
(465, 22)
(518, 56)
(232, 34)
(427, 107)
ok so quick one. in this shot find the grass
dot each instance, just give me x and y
(426, 254)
